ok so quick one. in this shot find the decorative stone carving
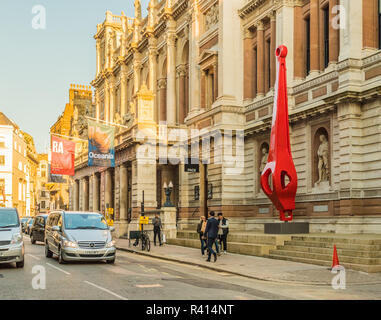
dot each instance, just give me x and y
(117, 121)
(323, 159)
(211, 17)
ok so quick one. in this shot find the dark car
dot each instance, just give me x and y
(37, 231)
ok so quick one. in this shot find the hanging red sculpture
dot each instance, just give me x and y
(280, 164)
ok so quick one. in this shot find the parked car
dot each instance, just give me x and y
(11, 239)
(79, 236)
(23, 222)
(29, 224)
(37, 231)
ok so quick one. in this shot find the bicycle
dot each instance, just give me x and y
(146, 243)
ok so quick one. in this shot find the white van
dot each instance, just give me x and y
(11, 239)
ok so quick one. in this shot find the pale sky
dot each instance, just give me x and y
(38, 66)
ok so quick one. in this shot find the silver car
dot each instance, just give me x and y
(11, 239)
(79, 236)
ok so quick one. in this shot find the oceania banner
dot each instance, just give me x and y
(101, 145)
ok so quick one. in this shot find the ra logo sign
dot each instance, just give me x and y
(57, 147)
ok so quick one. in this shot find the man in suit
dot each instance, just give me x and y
(211, 231)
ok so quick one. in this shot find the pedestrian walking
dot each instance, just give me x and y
(156, 228)
(211, 232)
(201, 230)
(223, 231)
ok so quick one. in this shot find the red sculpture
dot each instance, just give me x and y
(280, 164)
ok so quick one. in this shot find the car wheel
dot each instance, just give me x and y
(60, 256)
(111, 261)
(20, 264)
(48, 253)
(32, 239)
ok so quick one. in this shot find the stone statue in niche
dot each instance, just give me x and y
(265, 155)
(323, 159)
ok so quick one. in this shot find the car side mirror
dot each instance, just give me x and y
(112, 229)
(56, 228)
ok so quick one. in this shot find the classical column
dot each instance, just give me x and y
(203, 89)
(260, 60)
(369, 23)
(215, 81)
(314, 34)
(137, 67)
(97, 104)
(108, 193)
(107, 101)
(162, 86)
(171, 79)
(98, 58)
(181, 80)
(248, 79)
(76, 195)
(334, 34)
(272, 49)
(85, 203)
(123, 94)
(194, 72)
(123, 192)
(112, 102)
(299, 51)
(152, 63)
(96, 193)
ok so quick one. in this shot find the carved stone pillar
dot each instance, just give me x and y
(260, 59)
(181, 84)
(162, 87)
(123, 94)
(249, 74)
(123, 192)
(107, 101)
(97, 104)
(171, 79)
(314, 34)
(112, 102)
(194, 72)
(96, 193)
(76, 195)
(98, 58)
(334, 34)
(215, 81)
(299, 48)
(272, 50)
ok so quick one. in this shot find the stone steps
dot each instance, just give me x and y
(360, 247)
(233, 247)
(358, 267)
(329, 251)
(242, 237)
(358, 252)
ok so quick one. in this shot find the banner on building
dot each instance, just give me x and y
(101, 145)
(63, 153)
(55, 178)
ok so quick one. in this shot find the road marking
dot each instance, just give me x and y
(106, 290)
(149, 285)
(59, 269)
(32, 256)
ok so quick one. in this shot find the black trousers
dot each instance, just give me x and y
(223, 240)
(156, 232)
(210, 242)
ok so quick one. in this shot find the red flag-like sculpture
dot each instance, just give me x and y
(63, 152)
(280, 164)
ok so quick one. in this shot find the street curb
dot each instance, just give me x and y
(143, 253)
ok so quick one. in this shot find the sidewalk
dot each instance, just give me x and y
(252, 267)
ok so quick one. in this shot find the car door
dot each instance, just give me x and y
(39, 229)
(57, 235)
(49, 231)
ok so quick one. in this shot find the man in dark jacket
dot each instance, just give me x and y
(211, 231)
(156, 228)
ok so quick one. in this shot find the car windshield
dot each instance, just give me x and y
(85, 221)
(9, 218)
(24, 220)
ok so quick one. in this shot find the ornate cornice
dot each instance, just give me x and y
(250, 7)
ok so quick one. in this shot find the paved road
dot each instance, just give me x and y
(137, 277)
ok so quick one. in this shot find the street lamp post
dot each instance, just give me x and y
(168, 191)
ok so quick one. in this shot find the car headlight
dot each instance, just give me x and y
(110, 244)
(70, 244)
(16, 238)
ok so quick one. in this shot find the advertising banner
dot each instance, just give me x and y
(63, 153)
(101, 145)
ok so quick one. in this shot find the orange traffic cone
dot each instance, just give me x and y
(335, 258)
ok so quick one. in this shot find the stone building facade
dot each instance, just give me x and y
(208, 67)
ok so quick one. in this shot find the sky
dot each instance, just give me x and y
(37, 66)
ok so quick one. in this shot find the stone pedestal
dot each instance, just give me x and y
(168, 220)
(287, 228)
(121, 228)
